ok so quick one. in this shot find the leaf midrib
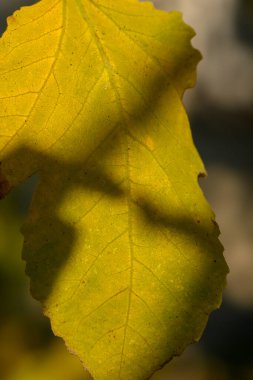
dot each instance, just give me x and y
(128, 196)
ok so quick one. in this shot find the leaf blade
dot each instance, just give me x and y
(124, 225)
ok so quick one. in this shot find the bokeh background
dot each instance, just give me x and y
(220, 109)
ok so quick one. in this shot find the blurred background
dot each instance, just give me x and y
(220, 109)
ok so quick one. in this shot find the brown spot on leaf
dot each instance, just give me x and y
(11, 20)
(201, 175)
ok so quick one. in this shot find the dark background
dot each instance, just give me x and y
(220, 109)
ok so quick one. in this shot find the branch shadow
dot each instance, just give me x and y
(88, 173)
(49, 239)
(56, 180)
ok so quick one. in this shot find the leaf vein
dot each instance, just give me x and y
(163, 284)
(31, 40)
(47, 77)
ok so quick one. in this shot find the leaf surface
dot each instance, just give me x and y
(119, 241)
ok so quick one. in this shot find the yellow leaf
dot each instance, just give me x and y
(119, 242)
